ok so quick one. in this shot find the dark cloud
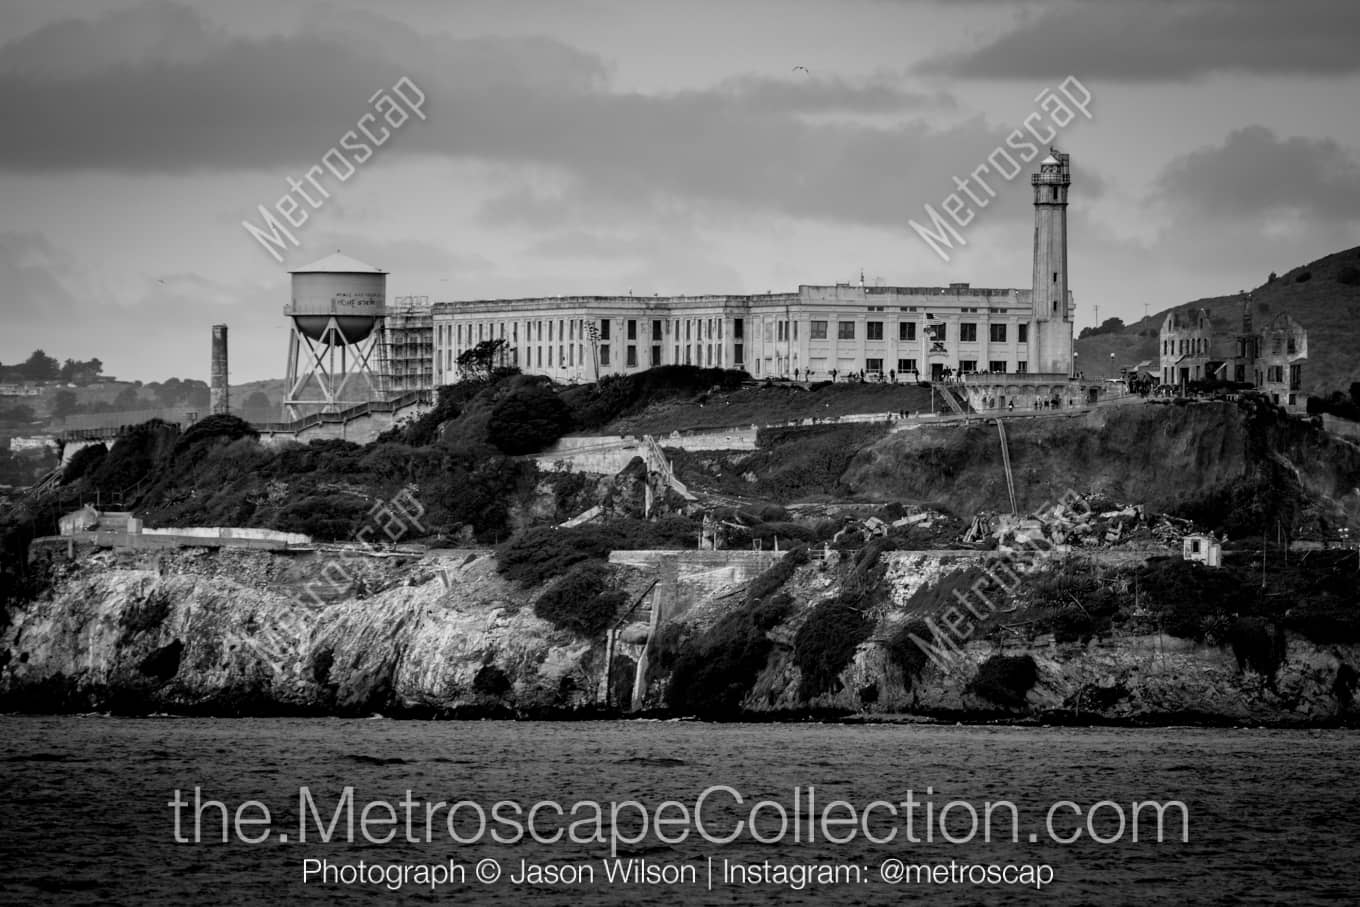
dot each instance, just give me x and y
(1156, 40)
(1254, 174)
(225, 102)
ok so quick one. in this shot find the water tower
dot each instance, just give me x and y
(336, 353)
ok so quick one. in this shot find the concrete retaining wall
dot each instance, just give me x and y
(231, 533)
(698, 575)
(1343, 427)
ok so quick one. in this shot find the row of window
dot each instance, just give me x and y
(579, 328)
(906, 330)
(1187, 345)
(966, 366)
(572, 329)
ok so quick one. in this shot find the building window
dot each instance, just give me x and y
(845, 330)
(604, 328)
(1022, 333)
(906, 330)
(998, 366)
(1275, 374)
(967, 366)
(738, 325)
(656, 354)
(873, 365)
(1021, 368)
(906, 365)
(656, 331)
(632, 329)
(632, 356)
(967, 333)
(604, 354)
(997, 333)
(818, 330)
(782, 332)
(874, 331)
(737, 350)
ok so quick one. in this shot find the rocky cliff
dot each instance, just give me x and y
(234, 632)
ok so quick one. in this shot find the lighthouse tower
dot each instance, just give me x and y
(1050, 333)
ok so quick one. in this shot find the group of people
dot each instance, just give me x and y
(1037, 403)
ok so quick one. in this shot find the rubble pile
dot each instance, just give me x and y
(1081, 522)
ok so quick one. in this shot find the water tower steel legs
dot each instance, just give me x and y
(319, 367)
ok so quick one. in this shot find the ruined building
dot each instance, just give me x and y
(1270, 359)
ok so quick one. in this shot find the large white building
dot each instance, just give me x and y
(819, 332)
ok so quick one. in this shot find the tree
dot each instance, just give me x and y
(1108, 326)
(527, 419)
(73, 371)
(41, 367)
(480, 361)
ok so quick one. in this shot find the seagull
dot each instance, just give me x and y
(803, 68)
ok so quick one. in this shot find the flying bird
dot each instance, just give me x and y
(803, 68)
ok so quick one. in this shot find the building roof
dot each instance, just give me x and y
(337, 264)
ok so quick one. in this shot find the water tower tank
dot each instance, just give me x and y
(337, 287)
(337, 352)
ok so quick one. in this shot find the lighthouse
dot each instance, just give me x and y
(1050, 340)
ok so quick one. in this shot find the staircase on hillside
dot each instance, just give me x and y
(950, 399)
(1006, 462)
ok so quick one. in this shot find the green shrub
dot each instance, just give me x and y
(773, 611)
(615, 396)
(775, 576)
(908, 654)
(491, 681)
(83, 462)
(326, 517)
(1187, 597)
(1256, 645)
(581, 601)
(1005, 679)
(528, 418)
(213, 428)
(133, 456)
(826, 643)
(713, 673)
(542, 553)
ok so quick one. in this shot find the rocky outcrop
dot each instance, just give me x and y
(258, 633)
(245, 632)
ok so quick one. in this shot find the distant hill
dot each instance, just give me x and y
(1323, 296)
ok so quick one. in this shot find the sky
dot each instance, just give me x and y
(615, 146)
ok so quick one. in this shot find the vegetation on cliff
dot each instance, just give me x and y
(712, 674)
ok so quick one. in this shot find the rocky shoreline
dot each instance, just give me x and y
(447, 638)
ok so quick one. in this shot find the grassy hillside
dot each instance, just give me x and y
(1323, 295)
